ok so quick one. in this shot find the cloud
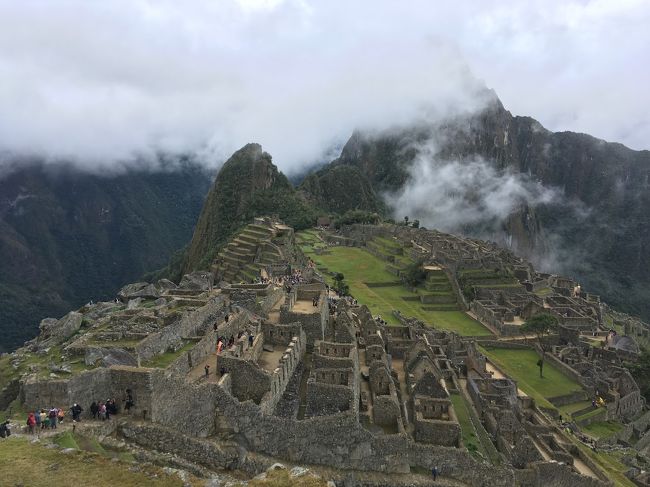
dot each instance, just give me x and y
(457, 196)
(108, 81)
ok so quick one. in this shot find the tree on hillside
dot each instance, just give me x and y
(414, 274)
(340, 286)
(416, 223)
(541, 324)
(406, 221)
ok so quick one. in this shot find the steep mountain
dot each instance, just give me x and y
(248, 185)
(596, 225)
(67, 236)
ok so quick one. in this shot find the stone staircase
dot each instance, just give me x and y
(251, 250)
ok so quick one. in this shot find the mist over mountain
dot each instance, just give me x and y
(569, 202)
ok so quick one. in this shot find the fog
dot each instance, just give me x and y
(454, 195)
(107, 83)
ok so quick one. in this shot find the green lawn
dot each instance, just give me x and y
(521, 365)
(359, 266)
(602, 429)
(164, 359)
(468, 432)
(569, 409)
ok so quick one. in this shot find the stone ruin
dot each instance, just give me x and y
(309, 380)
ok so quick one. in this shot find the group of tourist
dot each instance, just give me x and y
(222, 342)
(45, 419)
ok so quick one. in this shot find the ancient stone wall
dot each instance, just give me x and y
(437, 432)
(250, 382)
(263, 307)
(324, 399)
(281, 376)
(191, 323)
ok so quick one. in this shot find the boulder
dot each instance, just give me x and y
(199, 280)
(143, 290)
(53, 333)
(166, 285)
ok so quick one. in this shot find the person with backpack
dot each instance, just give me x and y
(52, 415)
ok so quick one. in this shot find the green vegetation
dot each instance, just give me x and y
(468, 433)
(248, 185)
(569, 409)
(340, 189)
(361, 267)
(162, 360)
(357, 216)
(24, 463)
(86, 235)
(602, 429)
(609, 462)
(520, 364)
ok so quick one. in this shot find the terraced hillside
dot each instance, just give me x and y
(248, 253)
(373, 276)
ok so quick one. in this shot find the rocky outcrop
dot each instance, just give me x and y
(136, 290)
(54, 331)
(200, 281)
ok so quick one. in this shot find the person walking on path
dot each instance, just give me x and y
(207, 370)
(434, 473)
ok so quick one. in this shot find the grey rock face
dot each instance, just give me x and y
(143, 290)
(199, 280)
(54, 332)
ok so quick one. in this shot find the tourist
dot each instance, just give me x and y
(107, 409)
(129, 402)
(102, 411)
(250, 339)
(43, 417)
(76, 412)
(60, 415)
(52, 415)
(4, 429)
(207, 370)
(94, 409)
(222, 371)
(434, 473)
(31, 423)
(37, 418)
(45, 423)
(226, 318)
(111, 407)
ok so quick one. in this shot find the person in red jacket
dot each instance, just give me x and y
(31, 423)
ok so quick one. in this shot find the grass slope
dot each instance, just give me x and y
(360, 267)
(24, 463)
(521, 365)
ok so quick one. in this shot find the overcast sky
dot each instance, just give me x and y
(105, 80)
